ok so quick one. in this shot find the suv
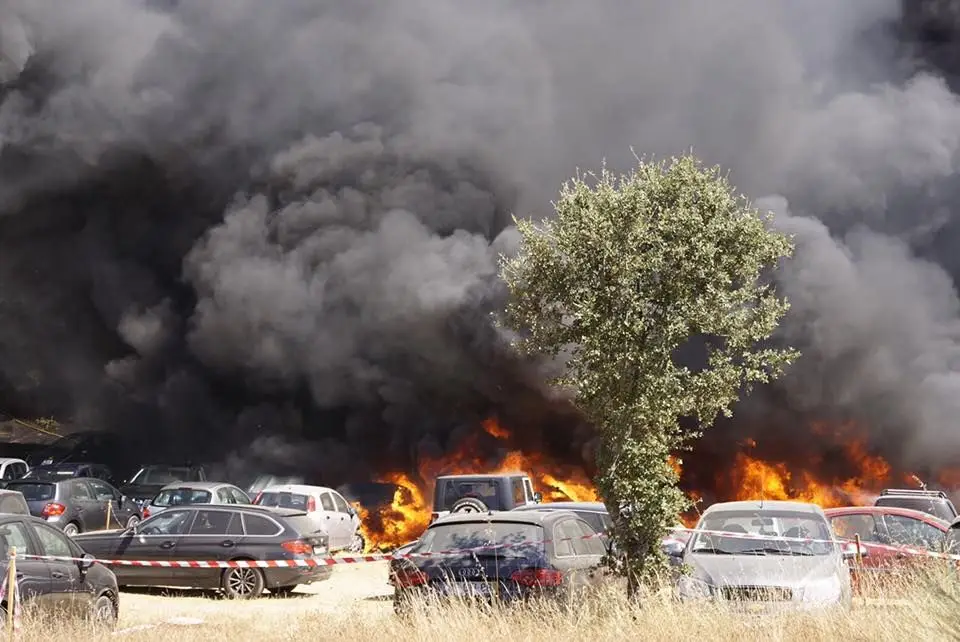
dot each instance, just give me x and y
(482, 493)
(933, 502)
(150, 480)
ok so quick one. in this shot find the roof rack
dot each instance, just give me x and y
(911, 491)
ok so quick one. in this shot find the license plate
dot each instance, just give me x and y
(319, 550)
(468, 589)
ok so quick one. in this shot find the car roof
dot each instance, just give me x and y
(885, 510)
(249, 508)
(507, 516)
(300, 489)
(198, 485)
(484, 475)
(760, 505)
(597, 507)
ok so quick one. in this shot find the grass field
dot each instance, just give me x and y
(355, 605)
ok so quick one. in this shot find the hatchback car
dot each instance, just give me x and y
(325, 506)
(77, 505)
(221, 533)
(777, 555)
(187, 493)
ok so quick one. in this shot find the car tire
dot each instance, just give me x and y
(133, 521)
(357, 544)
(242, 583)
(104, 612)
(71, 529)
(283, 591)
(469, 505)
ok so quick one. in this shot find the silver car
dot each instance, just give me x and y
(186, 493)
(777, 555)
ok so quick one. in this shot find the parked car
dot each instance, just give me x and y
(262, 482)
(593, 513)
(77, 505)
(150, 480)
(544, 553)
(325, 506)
(188, 493)
(82, 446)
(12, 468)
(934, 502)
(79, 586)
(482, 493)
(12, 502)
(222, 533)
(53, 472)
(770, 567)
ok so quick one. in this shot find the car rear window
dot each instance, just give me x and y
(283, 500)
(34, 492)
(593, 518)
(453, 490)
(936, 507)
(181, 496)
(512, 536)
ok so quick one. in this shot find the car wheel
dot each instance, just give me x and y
(283, 590)
(133, 521)
(242, 583)
(469, 505)
(71, 529)
(104, 612)
(357, 544)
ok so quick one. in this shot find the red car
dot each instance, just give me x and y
(882, 529)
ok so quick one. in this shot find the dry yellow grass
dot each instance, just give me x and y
(352, 606)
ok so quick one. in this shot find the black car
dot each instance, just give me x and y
(535, 553)
(77, 505)
(82, 446)
(593, 513)
(55, 472)
(150, 480)
(79, 586)
(216, 532)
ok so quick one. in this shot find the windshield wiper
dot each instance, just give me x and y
(711, 551)
(774, 551)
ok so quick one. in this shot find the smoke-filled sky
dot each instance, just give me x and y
(237, 227)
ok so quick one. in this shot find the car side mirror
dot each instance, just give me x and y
(86, 562)
(674, 548)
(537, 498)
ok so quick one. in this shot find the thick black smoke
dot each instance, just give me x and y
(270, 231)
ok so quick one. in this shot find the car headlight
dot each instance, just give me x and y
(691, 588)
(826, 590)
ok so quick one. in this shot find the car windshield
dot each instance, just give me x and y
(180, 496)
(937, 507)
(763, 532)
(51, 472)
(34, 492)
(453, 490)
(515, 538)
(283, 500)
(160, 475)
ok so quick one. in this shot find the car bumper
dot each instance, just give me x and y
(276, 577)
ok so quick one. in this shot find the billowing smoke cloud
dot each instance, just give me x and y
(272, 229)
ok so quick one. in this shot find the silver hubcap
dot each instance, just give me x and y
(357, 544)
(104, 611)
(133, 521)
(242, 581)
(70, 530)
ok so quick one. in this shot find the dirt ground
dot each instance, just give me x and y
(354, 591)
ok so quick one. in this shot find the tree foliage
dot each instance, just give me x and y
(653, 288)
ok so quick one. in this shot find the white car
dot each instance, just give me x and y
(11, 468)
(327, 509)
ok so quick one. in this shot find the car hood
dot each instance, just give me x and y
(761, 570)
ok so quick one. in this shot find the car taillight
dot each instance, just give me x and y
(408, 578)
(146, 512)
(53, 510)
(537, 577)
(298, 547)
(311, 504)
(256, 500)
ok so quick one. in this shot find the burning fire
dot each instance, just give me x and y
(749, 477)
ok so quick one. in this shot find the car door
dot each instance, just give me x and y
(214, 535)
(156, 539)
(564, 532)
(66, 583)
(333, 521)
(915, 534)
(33, 575)
(90, 513)
(348, 520)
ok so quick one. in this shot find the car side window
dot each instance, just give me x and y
(224, 496)
(591, 540)
(259, 525)
(239, 497)
(862, 524)
(169, 522)
(19, 470)
(214, 522)
(102, 490)
(562, 544)
(14, 534)
(80, 490)
(9, 472)
(52, 541)
(518, 497)
(577, 530)
(528, 487)
(326, 502)
(907, 531)
(340, 503)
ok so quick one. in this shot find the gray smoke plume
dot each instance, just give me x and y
(271, 230)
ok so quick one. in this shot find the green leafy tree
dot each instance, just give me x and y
(653, 288)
